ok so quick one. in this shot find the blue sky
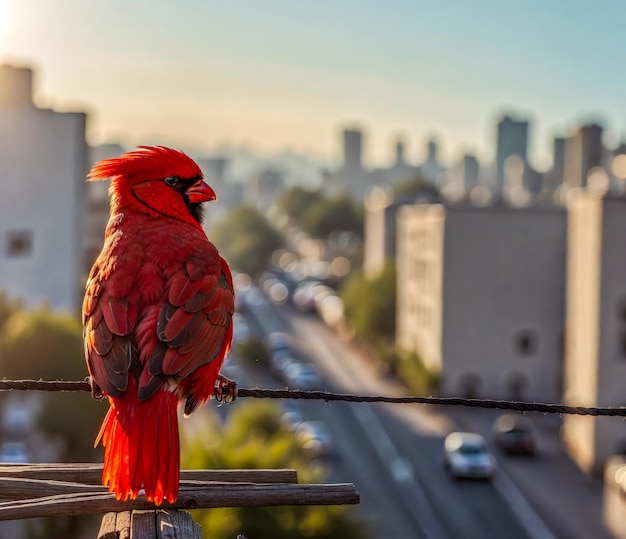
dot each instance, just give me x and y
(287, 74)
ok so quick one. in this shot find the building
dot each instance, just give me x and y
(353, 149)
(480, 297)
(352, 178)
(554, 177)
(466, 173)
(44, 163)
(380, 223)
(583, 152)
(595, 347)
(512, 139)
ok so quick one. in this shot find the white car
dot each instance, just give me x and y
(14, 453)
(466, 456)
(315, 438)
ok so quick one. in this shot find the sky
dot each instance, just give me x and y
(288, 75)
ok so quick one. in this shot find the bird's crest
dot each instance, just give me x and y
(147, 161)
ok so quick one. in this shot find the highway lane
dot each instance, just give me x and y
(394, 457)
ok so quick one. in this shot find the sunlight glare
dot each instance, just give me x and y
(4, 15)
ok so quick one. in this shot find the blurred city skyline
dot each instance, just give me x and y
(289, 76)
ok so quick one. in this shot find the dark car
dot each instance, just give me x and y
(514, 434)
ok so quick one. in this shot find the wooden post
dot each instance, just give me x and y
(161, 523)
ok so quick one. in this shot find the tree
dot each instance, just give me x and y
(246, 240)
(417, 186)
(328, 215)
(8, 307)
(297, 200)
(370, 305)
(319, 215)
(44, 344)
(254, 438)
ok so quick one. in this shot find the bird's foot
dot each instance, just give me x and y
(225, 390)
(96, 392)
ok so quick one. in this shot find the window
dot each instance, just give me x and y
(19, 243)
(526, 342)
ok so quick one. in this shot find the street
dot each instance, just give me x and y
(393, 453)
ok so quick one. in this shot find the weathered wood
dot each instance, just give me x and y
(107, 527)
(176, 525)
(19, 489)
(143, 525)
(122, 525)
(215, 495)
(155, 524)
(92, 474)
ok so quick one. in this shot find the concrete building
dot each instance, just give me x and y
(512, 139)
(380, 223)
(480, 297)
(595, 349)
(554, 177)
(44, 163)
(583, 152)
(352, 177)
(466, 172)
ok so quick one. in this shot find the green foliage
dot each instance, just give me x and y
(370, 305)
(297, 200)
(49, 345)
(318, 215)
(329, 215)
(416, 186)
(42, 344)
(246, 240)
(8, 307)
(254, 438)
(409, 367)
(253, 352)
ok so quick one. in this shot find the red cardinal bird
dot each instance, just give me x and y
(157, 316)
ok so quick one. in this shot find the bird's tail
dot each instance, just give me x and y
(141, 446)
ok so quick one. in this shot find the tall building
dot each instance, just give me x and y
(480, 297)
(351, 178)
(512, 139)
(583, 152)
(352, 149)
(595, 346)
(432, 169)
(470, 172)
(44, 163)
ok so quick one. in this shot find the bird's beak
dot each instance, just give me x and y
(200, 192)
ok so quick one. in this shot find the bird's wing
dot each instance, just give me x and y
(192, 323)
(108, 323)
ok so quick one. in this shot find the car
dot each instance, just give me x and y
(292, 415)
(14, 453)
(466, 456)
(302, 376)
(315, 438)
(514, 434)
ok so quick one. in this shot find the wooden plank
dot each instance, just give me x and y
(216, 495)
(19, 489)
(107, 527)
(92, 474)
(122, 525)
(143, 525)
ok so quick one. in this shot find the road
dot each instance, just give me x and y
(393, 453)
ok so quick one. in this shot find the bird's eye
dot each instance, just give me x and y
(172, 181)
